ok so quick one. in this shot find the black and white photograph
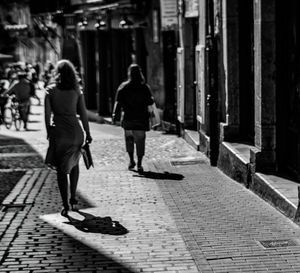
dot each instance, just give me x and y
(149, 136)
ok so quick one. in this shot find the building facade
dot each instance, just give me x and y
(238, 84)
(113, 34)
(29, 32)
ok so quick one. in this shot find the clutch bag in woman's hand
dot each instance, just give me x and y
(87, 156)
(50, 159)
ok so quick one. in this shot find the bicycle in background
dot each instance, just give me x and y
(11, 113)
(3, 98)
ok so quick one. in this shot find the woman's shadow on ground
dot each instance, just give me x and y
(96, 224)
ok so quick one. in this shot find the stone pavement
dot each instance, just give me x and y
(181, 215)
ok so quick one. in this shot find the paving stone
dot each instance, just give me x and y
(183, 219)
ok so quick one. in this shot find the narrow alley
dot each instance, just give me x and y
(181, 215)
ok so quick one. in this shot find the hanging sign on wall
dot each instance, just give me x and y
(168, 14)
(191, 8)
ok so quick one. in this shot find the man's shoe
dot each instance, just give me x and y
(140, 169)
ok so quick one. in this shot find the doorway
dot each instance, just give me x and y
(88, 43)
(288, 87)
(169, 63)
(113, 63)
(190, 43)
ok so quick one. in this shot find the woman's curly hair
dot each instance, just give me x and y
(66, 76)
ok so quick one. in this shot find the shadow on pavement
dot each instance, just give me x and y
(33, 130)
(97, 224)
(8, 182)
(33, 121)
(18, 154)
(161, 176)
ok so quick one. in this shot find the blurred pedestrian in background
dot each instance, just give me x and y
(3, 98)
(65, 100)
(23, 90)
(48, 73)
(134, 100)
(32, 77)
(38, 68)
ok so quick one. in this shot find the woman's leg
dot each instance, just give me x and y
(140, 140)
(24, 109)
(129, 142)
(62, 180)
(74, 175)
(139, 163)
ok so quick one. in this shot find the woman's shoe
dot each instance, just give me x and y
(64, 212)
(73, 203)
(131, 166)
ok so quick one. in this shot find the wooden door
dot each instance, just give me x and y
(115, 49)
(88, 43)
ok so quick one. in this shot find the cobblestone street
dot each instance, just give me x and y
(181, 215)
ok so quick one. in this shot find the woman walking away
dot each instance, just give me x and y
(65, 100)
(134, 98)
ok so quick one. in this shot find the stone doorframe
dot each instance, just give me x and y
(265, 85)
(229, 128)
(263, 156)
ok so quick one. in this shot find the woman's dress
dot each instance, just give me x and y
(67, 134)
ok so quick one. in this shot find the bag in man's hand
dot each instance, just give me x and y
(87, 156)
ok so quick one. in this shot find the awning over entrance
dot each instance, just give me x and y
(6, 58)
(191, 8)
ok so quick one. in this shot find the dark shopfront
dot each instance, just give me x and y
(128, 33)
(288, 87)
(106, 55)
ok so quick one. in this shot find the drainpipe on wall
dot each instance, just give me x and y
(109, 62)
(212, 53)
(180, 84)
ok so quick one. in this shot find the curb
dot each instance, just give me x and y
(264, 189)
(280, 193)
(26, 189)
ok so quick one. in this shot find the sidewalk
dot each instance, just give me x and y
(182, 215)
(277, 189)
(281, 192)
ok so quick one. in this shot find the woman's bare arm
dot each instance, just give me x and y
(83, 117)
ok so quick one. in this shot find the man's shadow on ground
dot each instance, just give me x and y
(97, 224)
(160, 176)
